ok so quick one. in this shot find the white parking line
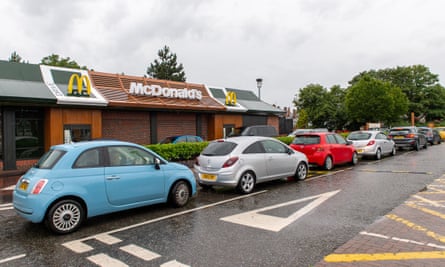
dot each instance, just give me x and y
(8, 188)
(173, 263)
(12, 258)
(104, 260)
(6, 206)
(140, 252)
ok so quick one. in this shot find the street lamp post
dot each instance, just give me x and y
(259, 83)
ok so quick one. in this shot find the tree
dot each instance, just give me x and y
(337, 117)
(418, 84)
(302, 122)
(312, 99)
(15, 57)
(373, 100)
(166, 68)
(56, 60)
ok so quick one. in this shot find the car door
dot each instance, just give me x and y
(133, 178)
(384, 142)
(342, 151)
(279, 160)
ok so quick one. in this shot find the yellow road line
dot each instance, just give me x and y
(385, 256)
(431, 212)
(417, 227)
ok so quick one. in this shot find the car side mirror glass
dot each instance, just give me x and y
(157, 164)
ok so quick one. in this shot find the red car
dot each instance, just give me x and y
(325, 149)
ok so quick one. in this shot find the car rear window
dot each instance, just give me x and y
(219, 148)
(49, 159)
(424, 131)
(306, 140)
(359, 136)
(400, 131)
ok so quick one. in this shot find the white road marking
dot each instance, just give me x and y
(102, 259)
(107, 239)
(8, 188)
(273, 223)
(6, 206)
(79, 247)
(12, 258)
(402, 240)
(173, 263)
(140, 252)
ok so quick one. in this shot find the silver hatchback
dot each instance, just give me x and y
(244, 161)
(372, 144)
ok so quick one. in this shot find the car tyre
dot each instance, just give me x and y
(417, 146)
(378, 154)
(354, 159)
(425, 146)
(180, 194)
(301, 172)
(328, 164)
(65, 216)
(246, 182)
(394, 151)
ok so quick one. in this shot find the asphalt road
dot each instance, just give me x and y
(284, 223)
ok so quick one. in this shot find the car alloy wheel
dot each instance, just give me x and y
(65, 216)
(301, 171)
(246, 182)
(180, 194)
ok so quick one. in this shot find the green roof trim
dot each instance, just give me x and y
(63, 77)
(20, 71)
(217, 93)
(243, 94)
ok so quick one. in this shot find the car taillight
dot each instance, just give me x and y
(230, 162)
(411, 135)
(370, 143)
(319, 149)
(39, 186)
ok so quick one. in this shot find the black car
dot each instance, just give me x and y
(408, 136)
(432, 135)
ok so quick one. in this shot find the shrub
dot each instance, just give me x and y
(178, 152)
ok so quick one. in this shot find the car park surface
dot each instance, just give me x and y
(72, 182)
(325, 149)
(372, 144)
(408, 137)
(244, 161)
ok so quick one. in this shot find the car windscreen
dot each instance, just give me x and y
(359, 136)
(219, 148)
(49, 159)
(306, 140)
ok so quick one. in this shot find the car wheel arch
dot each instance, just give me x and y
(68, 197)
(173, 186)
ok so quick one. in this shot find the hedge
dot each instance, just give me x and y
(187, 151)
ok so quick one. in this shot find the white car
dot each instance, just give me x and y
(372, 144)
(245, 161)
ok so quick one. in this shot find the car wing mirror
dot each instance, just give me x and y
(157, 164)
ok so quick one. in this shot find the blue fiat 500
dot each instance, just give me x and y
(72, 182)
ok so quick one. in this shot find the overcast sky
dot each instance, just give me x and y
(230, 43)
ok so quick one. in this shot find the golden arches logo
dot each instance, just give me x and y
(231, 99)
(79, 81)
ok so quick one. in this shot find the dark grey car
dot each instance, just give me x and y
(408, 136)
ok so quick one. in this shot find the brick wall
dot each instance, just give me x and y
(129, 126)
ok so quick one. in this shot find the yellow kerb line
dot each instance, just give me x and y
(385, 256)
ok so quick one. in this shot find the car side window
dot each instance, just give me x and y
(330, 139)
(254, 148)
(340, 139)
(88, 159)
(181, 139)
(273, 147)
(128, 156)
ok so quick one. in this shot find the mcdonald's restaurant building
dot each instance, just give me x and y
(41, 106)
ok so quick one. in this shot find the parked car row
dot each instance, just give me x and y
(73, 182)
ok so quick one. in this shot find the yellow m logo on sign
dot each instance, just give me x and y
(79, 80)
(231, 99)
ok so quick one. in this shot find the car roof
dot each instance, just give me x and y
(90, 144)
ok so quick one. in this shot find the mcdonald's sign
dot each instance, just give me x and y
(231, 99)
(80, 80)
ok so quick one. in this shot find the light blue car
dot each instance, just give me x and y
(72, 182)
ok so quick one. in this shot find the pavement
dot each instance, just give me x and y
(412, 234)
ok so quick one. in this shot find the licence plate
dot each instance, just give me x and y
(359, 150)
(209, 177)
(399, 137)
(23, 186)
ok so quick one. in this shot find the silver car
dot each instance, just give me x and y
(244, 161)
(372, 144)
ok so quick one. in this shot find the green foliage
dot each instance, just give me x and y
(15, 57)
(176, 152)
(373, 100)
(56, 60)
(285, 139)
(303, 120)
(166, 68)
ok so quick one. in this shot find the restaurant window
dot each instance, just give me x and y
(29, 133)
(77, 133)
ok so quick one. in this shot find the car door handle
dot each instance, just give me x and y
(113, 177)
